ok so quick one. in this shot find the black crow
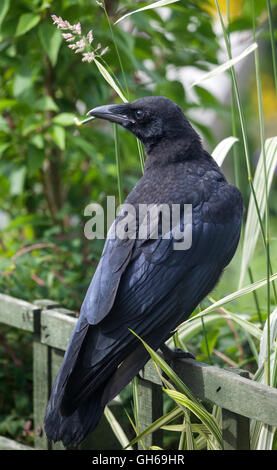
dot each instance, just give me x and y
(145, 284)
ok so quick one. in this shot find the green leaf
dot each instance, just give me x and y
(264, 338)
(3, 147)
(227, 65)
(163, 420)
(159, 4)
(104, 72)
(7, 103)
(252, 226)
(17, 180)
(22, 83)
(200, 412)
(229, 298)
(37, 141)
(26, 22)
(211, 337)
(222, 149)
(5, 4)
(117, 429)
(51, 40)
(46, 103)
(64, 119)
(58, 135)
(4, 125)
(36, 157)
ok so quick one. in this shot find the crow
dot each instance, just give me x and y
(145, 285)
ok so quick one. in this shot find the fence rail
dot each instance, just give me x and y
(240, 398)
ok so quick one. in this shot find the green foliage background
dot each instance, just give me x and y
(50, 170)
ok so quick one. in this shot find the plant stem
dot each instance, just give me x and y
(271, 29)
(262, 138)
(233, 114)
(255, 297)
(117, 159)
(206, 340)
(117, 51)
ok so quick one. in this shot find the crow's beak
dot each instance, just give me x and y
(119, 113)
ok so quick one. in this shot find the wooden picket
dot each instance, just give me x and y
(240, 398)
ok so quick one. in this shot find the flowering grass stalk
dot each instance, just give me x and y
(79, 42)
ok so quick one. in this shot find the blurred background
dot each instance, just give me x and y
(50, 170)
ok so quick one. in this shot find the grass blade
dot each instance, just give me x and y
(227, 65)
(222, 149)
(264, 339)
(229, 298)
(167, 369)
(163, 420)
(252, 227)
(117, 429)
(107, 76)
(200, 412)
(272, 40)
(159, 4)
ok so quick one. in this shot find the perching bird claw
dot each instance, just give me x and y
(173, 354)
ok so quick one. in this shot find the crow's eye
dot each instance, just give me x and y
(139, 114)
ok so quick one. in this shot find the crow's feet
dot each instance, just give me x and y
(172, 354)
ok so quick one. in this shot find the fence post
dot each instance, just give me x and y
(235, 427)
(46, 363)
(150, 404)
(41, 383)
(235, 431)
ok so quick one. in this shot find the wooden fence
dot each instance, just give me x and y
(240, 398)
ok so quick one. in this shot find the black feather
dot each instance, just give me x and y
(146, 285)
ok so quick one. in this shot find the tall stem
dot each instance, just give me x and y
(262, 139)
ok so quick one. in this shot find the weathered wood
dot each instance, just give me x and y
(225, 389)
(56, 362)
(150, 404)
(56, 328)
(235, 428)
(240, 398)
(235, 431)
(41, 388)
(47, 304)
(17, 313)
(10, 444)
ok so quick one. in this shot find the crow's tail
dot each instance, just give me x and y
(72, 430)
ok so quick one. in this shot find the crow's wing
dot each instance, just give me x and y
(143, 285)
(152, 286)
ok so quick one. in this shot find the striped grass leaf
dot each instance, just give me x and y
(193, 327)
(205, 417)
(261, 436)
(117, 429)
(222, 149)
(252, 226)
(272, 40)
(264, 338)
(231, 297)
(196, 427)
(226, 66)
(163, 420)
(266, 436)
(246, 325)
(158, 360)
(187, 441)
(107, 76)
(185, 392)
(159, 4)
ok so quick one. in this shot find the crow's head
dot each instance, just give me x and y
(150, 119)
